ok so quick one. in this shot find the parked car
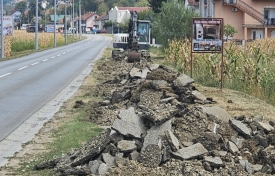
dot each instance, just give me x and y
(100, 31)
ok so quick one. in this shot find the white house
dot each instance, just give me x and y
(121, 14)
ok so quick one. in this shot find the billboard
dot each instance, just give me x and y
(207, 35)
(50, 28)
(7, 25)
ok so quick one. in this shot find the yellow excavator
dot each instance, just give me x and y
(136, 42)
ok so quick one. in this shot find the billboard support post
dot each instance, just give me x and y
(2, 36)
(191, 63)
(207, 37)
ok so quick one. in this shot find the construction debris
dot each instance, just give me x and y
(160, 124)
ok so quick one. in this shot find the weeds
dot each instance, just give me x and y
(247, 68)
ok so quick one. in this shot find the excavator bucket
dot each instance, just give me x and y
(134, 56)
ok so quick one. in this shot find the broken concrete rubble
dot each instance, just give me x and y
(173, 141)
(240, 127)
(157, 123)
(126, 146)
(218, 112)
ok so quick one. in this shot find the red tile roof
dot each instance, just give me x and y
(101, 16)
(138, 9)
(87, 15)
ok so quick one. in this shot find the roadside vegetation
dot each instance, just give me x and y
(248, 68)
(22, 42)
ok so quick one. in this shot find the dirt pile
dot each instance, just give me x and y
(158, 123)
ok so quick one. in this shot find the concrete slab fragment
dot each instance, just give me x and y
(184, 80)
(138, 73)
(126, 146)
(173, 140)
(190, 152)
(232, 147)
(108, 159)
(152, 136)
(130, 115)
(266, 126)
(198, 95)
(240, 127)
(218, 112)
(128, 129)
(153, 66)
(214, 161)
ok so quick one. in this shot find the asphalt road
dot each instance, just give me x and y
(28, 83)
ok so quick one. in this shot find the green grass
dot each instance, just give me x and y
(72, 134)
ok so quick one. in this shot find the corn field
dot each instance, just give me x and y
(248, 68)
(21, 41)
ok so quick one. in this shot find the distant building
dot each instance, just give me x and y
(121, 14)
(253, 19)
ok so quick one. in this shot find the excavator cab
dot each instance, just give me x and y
(137, 41)
(144, 31)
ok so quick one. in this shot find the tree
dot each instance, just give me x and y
(123, 3)
(229, 31)
(174, 21)
(32, 11)
(102, 8)
(145, 15)
(141, 3)
(156, 5)
(21, 6)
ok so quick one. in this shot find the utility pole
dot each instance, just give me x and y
(2, 36)
(73, 21)
(65, 22)
(36, 26)
(80, 26)
(54, 28)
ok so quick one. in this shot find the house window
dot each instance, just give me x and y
(253, 35)
(266, 12)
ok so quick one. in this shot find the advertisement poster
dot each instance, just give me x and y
(207, 35)
(50, 28)
(7, 25)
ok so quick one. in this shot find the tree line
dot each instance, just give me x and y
(170, 18)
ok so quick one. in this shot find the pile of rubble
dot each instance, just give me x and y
(157, 123)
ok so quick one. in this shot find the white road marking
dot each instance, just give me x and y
(53, 57)
(22, 68)
(68, 50)
(45, 60)
(35, 63)
(64, 53)
(5, 75)
(59, 55)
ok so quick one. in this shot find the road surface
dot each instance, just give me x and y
(30, 82)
